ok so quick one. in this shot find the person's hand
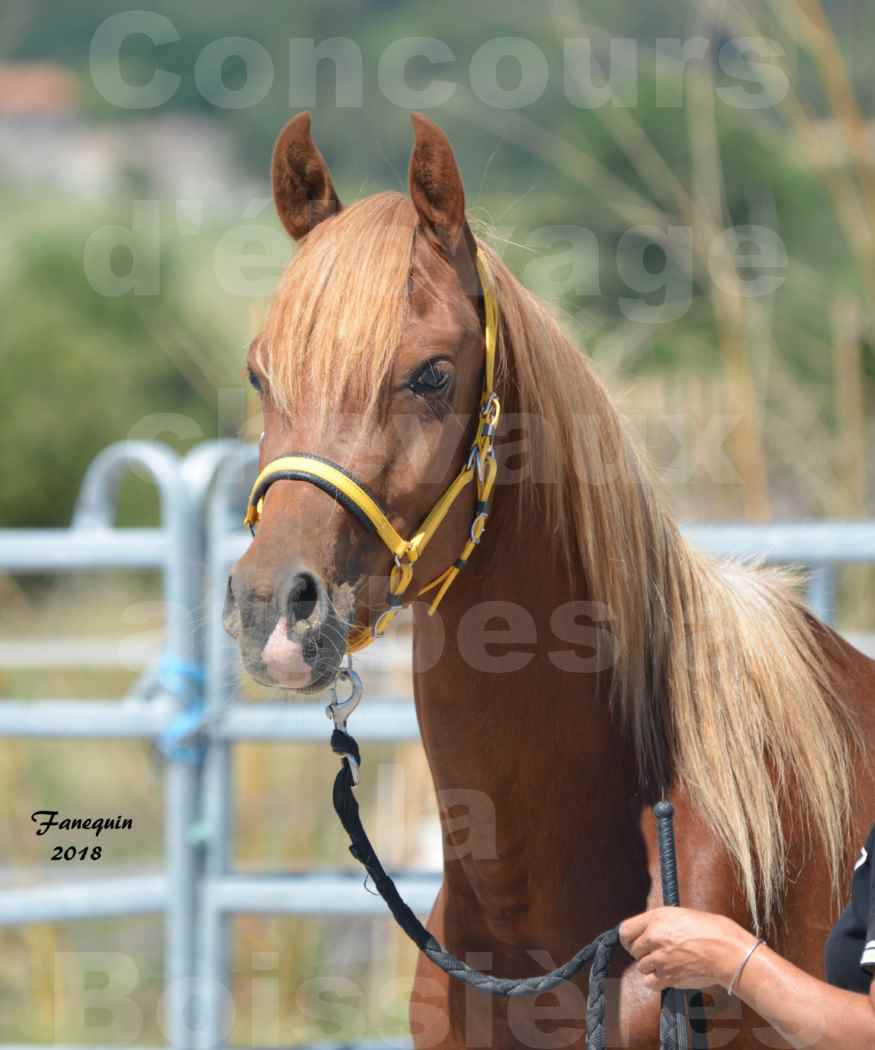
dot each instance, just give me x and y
(681, 948)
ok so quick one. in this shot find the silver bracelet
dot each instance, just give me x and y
(737, 975)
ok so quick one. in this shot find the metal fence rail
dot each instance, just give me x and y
(197, 540)
(93, 543)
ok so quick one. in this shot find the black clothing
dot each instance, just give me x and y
(850, 949)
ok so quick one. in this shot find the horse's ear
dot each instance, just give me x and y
(302, 189)
(436, 185)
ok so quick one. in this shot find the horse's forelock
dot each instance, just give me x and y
(339, 313)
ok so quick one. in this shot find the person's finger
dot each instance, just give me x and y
(631, 929)
(644, 944)
(653, 982)
(653, 963)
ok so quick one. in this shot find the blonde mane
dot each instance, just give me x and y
(715, 666)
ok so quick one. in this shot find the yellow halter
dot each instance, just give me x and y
(334, 480)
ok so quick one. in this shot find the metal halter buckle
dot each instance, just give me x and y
(340, 710)
(489, 405)
(476, 460)
(475, 539)
(380, 623)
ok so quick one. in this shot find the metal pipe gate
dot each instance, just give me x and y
(198, 538)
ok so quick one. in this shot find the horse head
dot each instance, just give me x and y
(372, 362)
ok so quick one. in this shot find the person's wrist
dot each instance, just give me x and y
(735, 944)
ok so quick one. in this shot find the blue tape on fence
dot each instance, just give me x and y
(180, 741)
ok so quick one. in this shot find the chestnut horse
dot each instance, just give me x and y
(584, 663)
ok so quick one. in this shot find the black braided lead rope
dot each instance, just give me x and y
(673, 1029)
(681, 1012)
(673, 1011)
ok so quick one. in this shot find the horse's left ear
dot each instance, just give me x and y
(303, 192)
(436, 185)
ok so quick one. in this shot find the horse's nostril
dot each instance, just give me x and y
(303, 596)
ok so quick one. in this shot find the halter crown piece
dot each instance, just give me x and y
(480, 466)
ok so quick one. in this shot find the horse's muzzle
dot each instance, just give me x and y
(289, 636)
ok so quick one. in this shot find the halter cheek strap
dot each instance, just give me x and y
(481, 467)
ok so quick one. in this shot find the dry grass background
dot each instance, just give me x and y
(282, 821)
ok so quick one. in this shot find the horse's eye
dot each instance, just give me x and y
(433, 378)
(255, 381)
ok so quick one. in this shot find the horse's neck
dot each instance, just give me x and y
(520, 740)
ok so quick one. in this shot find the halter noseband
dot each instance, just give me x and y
(355, 498)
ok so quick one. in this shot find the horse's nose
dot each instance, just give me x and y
(278, 620)
(297, 598)
(231, 611)
(291, 650)
(300, 598)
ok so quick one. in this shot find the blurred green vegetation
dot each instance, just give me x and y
(82, 369)
(793, 168)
